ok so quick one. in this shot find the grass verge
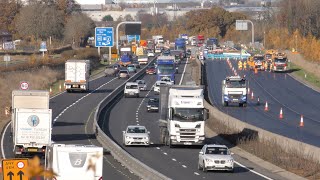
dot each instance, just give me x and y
(303, 74)
(292, 160)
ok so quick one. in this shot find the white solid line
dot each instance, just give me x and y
(255, 172)
(2, 138)
(184, 70)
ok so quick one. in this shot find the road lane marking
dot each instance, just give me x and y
(255, 172)
(184, 70)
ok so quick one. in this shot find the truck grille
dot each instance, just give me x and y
(187, 133)
(137, 138)
(235, 96)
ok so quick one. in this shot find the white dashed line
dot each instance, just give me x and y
(157, 148)
(184, 166)
(165, 153)
(174, 160)
(196, 173)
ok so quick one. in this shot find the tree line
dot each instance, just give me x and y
(59, 19)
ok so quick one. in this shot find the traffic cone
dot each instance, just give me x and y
(248, 90)
(252, 95)
(255, 71)
(60, 88)
(258, 101)
(301, 121)
(266, 108)
(50, 90)
(281, 114)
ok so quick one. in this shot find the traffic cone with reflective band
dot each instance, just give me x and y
(281, 114)
(60, 88)
(255, 71)
(248, 90)
(301, 121)
(252, 95)
(266, 108)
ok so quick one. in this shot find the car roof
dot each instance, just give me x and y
(131, 83)
(124, 70)
(217, 146)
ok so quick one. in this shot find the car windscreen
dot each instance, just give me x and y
(131, 87)
(123, 72)
(136, 130)
(217, 150)
(236, 84)
(258, 58)
(153, 100)
(141, 82)
(131, 66)
(143, 56)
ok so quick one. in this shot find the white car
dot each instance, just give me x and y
(142, 85)
(156, 87)
(131, 89)
(143, 59)
(150, 54)
(136, 135)
(215, 157)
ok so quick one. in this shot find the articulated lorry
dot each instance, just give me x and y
(31, 122)
(180, 44)
(72, 161)
(125, 56)
(182, 115)
(77, 74)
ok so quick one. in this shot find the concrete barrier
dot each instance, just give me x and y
(133, 164)
(285, 143)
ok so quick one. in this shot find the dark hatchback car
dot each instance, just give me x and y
(153, 105)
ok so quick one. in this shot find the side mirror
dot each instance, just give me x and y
(207, 114)
(148, 132)
(232, 153)
(201, 153)
(123, 132)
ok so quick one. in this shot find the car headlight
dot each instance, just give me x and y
(226, 97)
(128, 137)
(146, 138)
(209, 160)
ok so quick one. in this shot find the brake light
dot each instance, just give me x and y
(274, 64)
(285, 65)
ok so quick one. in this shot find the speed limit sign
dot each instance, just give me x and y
(24, 85)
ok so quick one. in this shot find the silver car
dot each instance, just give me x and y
(215, 157)
(136, 135)
(142, 85)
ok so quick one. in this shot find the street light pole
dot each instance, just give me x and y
(117, 30)
(252, 40)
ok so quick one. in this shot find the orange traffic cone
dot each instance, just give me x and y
(255, 70)
(301, 121)
(266, 108)
(60, 88)
(248, 90)
(252, 95)
(281, 114)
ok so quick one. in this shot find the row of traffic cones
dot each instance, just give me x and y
(266, 108)
(60, 89)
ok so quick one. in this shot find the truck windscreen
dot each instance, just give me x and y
(236, 84)
(188, 114)
(166, 68)
(284, 60)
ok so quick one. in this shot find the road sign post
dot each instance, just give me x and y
(43, 47)
(7, 59)
(104, 38)
(14, 169)
(242, 25)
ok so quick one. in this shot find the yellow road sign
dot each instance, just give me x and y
(14, 169)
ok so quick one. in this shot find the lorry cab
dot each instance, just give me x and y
(234, 90)
(280, 62)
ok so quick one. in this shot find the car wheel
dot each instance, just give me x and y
(204, 169)
(225, 104)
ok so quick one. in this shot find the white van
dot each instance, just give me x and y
(73, 161)
(131, 89)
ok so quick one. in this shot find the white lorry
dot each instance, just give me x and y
(158, 39)
(31, 122)
(77, 73)
(72, 161)
(182, 115)
(234, 90)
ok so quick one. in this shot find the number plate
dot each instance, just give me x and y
(236, 100)
(75, 86)
(187, 143)
(32, 150)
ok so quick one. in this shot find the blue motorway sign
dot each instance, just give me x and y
(104, 37)
(132, 38)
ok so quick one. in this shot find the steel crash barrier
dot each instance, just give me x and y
(133, 164)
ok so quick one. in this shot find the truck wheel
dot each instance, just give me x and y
(244, 105)
(225, 103)
(240, 105)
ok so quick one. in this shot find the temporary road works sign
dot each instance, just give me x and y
(14, 169)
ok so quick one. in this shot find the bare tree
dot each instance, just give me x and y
(40, 21)
(128, 17)
(8, 10)
(78, 27)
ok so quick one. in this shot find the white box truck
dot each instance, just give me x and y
(31, 99)
(32, 131)
(182, 115)
(73, 161)
(77, 73)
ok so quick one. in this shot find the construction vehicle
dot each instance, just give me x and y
(256, 62)
(279, 62)
(234, 90)
(268, 58)
(182, 115)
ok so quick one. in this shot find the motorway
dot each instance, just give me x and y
(72, 115)
(176, 163)
(280, 90)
